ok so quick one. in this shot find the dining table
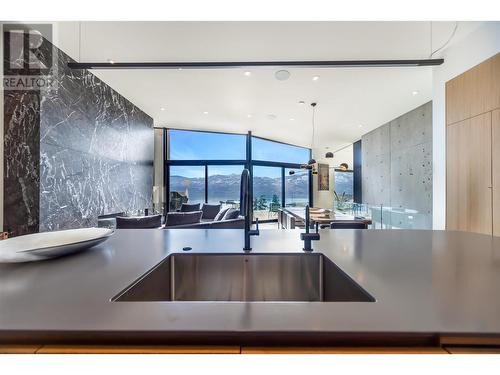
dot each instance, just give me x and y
(292, 217)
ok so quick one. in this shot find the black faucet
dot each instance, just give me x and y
(245, 204)
(309, 237)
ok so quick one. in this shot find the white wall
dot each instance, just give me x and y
(478, 46)
(324, 199)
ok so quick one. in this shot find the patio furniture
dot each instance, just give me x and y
(273, 209)
(176, 200)
(230, 203)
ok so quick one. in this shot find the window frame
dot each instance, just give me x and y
(198, 131)
(207, 174)
(284, 183)
(247, 163)
(344, 171)
(281, 143)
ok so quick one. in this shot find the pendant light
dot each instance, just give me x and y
(329, 155)
(344, 167)
(312, 161)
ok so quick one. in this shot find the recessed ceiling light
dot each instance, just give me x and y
(247, 73)
(414, 92)
(271, 116)
(360, 126)
(302, 102)
(111, 61)
(315, 78)
(249, 115)
(162, 109)
(292, 119)
(205, 112)
(282, 75)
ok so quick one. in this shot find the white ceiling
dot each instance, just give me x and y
(351, 101)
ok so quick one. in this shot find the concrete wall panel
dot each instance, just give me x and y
(397, 168)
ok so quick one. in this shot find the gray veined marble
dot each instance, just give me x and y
(74, 153)
(21, 160)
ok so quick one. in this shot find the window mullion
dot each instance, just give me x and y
(206, 183)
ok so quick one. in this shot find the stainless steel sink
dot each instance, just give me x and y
(242, 277)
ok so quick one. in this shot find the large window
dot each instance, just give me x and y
(265, 150)
(296, 187)
(193, 145)
(187, 185)
(206, 167)
(266, 192)
(224, 184)
(344, 187)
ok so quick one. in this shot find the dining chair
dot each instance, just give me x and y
(348, 225)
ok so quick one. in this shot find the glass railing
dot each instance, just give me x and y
(386, 217)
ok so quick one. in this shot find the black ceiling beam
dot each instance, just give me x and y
(248, 64)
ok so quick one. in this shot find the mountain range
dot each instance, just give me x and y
(224, 187)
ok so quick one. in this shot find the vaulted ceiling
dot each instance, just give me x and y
(351, 101)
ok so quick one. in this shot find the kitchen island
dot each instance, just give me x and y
(431, 288)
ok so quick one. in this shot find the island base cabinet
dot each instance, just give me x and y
(453, 346)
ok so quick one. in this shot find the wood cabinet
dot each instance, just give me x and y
(122, 349)
(495, 140)
(473, 149)
(474, 92)
(343, 350)
(19, 349)
(469, 196)
(453, 345)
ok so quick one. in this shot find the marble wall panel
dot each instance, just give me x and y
(74, 153)
(21, 161)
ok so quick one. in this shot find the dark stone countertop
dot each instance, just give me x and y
(426, 284)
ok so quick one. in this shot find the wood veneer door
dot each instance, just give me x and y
(474, 92)
(495, 125)
(469, 176)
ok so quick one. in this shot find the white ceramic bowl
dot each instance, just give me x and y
(47, 245)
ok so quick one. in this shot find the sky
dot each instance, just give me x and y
(189, 145)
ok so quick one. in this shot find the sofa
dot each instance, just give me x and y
(120, 220)
(138, 222)
(208, 217)
(238, 223)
